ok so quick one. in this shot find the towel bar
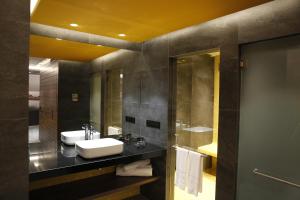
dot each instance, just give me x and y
(257, 172)
(190, 149)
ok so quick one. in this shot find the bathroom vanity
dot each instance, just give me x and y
(63, 172)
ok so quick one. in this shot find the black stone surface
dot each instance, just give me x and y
(63, 160)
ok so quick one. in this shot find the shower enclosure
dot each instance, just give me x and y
(113, 105)
(196, 89)
(269, 138)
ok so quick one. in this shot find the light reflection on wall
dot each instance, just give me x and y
(37, 160)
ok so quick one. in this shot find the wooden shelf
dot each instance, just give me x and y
(211, 171)
(210, 149)
(91, 188)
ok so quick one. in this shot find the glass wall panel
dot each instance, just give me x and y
(113, 108)
(269, 159)
(95, 101)
(197, 115)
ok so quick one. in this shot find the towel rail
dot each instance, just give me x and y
(190, 149)
(257, 172)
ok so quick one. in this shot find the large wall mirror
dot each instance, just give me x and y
(65, 96)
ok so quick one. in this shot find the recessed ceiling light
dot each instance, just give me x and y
(74, 25)
(58, 39)
(122, 35)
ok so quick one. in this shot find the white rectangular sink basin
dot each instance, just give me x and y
(70, 137)
(99, 147)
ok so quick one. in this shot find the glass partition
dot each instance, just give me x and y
(95, 101)
(269, 161)
(113, 107)
(197, 115)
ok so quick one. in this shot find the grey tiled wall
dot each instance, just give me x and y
(145, 88)
(73, 78)
(14, 39)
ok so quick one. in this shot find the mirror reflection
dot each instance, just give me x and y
(113, 108)
(69, 103)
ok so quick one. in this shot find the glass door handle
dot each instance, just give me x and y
(257, 172)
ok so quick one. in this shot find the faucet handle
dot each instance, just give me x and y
(85, 126)
(92, 131)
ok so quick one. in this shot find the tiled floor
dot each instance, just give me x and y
(208, 190)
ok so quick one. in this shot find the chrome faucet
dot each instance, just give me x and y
(92, 131)
(89, 131)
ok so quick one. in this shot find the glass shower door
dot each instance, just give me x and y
(269, 140)
(197, 115)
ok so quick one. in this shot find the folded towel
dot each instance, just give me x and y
(181, 167)
(114, 130)
(140, 171)
(195, 169)
(137, 164)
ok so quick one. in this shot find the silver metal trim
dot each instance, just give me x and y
(190, 149)
(257, 172)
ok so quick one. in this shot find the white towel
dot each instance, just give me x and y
(181, 167)
(143, 171)
(140, 164)
(195, 172)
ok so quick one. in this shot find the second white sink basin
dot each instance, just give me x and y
(99, 147)
(70, 137)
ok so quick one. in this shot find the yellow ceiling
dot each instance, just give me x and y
(140, 20)
(66, 50)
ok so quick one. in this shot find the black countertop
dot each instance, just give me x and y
(47, 162)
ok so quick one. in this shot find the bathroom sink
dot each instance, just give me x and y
(70, 137)
(98, 147)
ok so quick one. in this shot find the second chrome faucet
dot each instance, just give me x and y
(89, 130)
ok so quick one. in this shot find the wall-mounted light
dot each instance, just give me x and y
(58, 38)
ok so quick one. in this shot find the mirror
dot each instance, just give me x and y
(66, 95)
(34, 101)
